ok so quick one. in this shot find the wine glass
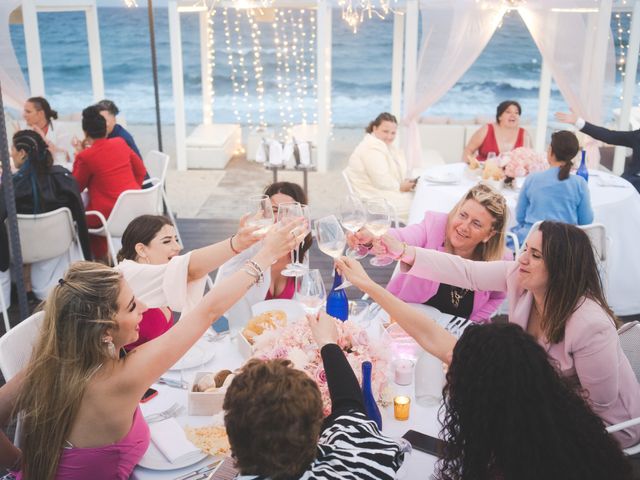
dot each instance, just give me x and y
(331, 240)
(310, 291)
(261, 214)
(289, 211)
(378, 222)
(353, 216)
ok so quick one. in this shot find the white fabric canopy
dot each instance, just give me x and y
(454, 33)
(14, 87)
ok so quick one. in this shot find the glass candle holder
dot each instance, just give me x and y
(401, 406)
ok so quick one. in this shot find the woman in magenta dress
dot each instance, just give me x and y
(500, 137)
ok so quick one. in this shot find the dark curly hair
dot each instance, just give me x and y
(94, 124)
(502, 107)
(508, 414)
(38, 154)
(273, 415)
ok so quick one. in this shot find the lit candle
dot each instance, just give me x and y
(404, 371)
(401, 405)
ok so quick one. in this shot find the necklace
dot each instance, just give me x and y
(457, 294)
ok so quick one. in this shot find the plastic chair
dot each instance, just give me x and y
(597, 233)
(130, 204)
(17, 344)
(5, 314)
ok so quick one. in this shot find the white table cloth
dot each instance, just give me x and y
(616, 207)
(423, 419)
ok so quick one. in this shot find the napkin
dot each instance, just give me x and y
(275, 153)
(305, 153)
(612, 181)
(169, 437)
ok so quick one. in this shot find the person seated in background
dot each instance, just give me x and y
(629, 139)
(500, 137)
(40, 187)
(273, 417)
(473, 229)
(152, 240)
(109, 111)
(554, 194)
(106, 169)
(376, 169)
(39, 116)
(275, 284)
(554, 293)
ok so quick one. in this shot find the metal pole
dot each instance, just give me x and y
(154, 68)
(12, 219)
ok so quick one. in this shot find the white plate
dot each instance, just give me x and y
(445, 178)
(292, 308)
(202, 352)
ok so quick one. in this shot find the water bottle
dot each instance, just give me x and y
(429, 380)
(370, 405)
(582, 169)
(337, 303)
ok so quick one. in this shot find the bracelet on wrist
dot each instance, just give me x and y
(231, 244)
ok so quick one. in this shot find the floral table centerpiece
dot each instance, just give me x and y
(520, 162)
(295, 343)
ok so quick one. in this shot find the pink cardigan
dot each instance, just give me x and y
(590, 350)
(430, 233)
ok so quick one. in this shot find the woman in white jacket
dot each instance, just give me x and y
(377, 169)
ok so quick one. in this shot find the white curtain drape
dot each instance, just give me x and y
(454, 33)
(14, 87)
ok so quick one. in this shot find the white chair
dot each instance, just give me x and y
(5, 313)
(534, 228)
(597, 233)
(348, 182)
(157, 165)
(130, 204)
(17, 344)
(629, 335)
(514, 239)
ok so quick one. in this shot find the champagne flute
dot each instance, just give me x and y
(331, 240)
(310, 291)
(378, 222)
(353, 216)
(261, 214)
(291, 210)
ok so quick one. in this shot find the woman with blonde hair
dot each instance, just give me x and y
(473, 229)
(78, 399)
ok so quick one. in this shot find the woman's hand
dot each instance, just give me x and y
(408, 185)
(284, 237)
(570, 118)
(388, 245)
(323, 328)
(361, 237)
(245, 236)
(353, 271)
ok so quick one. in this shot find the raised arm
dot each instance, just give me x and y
(474, 143)
(429, 335)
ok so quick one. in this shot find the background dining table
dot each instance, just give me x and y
(615, 203)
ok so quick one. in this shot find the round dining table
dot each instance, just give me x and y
(423, 418)
(615, 203)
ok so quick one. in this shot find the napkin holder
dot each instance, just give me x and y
(204, 403)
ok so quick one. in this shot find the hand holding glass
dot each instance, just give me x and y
(261, 212)
(331, 240)
(353, 217)
(378, 222)
(286, 211)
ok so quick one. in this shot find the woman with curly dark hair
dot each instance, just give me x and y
(510, 415)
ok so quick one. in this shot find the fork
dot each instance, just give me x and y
(172, 411)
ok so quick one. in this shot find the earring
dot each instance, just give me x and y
(111, 348)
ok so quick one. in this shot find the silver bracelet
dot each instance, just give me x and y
(253, 274)
(257, 268)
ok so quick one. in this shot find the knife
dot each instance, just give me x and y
(198, 473)
(173, 383)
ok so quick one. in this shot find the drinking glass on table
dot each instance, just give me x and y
(379, 216)
(286, 212)
(261, 214)
(310, 291)
(331, 240)
(353, 216)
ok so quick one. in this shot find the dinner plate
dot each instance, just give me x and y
(292, 308)
(444, 178)
(202, 352)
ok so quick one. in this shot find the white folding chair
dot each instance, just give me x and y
(130, 204)
(597, 234)
(629, 335)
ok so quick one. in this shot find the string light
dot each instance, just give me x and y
(208, 109)
(621, 29)
(231, 63)
(354, 15)
(258, 69)
(243, 89)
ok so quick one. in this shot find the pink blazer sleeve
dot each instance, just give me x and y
(415, 234)
(445, 268)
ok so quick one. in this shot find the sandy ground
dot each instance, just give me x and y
(221, 193)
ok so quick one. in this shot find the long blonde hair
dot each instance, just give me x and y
(70, 349)
(496, 205)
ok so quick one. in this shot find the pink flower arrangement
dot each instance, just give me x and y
(523, 161)
(295, 342)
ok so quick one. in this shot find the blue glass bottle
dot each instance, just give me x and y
(370, 405)
(337, 302)
(582, 169)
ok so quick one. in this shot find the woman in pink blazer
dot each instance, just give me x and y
(554, 294)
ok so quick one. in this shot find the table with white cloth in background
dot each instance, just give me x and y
(615, 203)
(423, 419)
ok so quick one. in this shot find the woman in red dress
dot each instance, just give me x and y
(106, 169)
(500, 137)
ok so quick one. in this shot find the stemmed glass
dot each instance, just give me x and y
(291, 210)
(331, 240)
(310, 291)
(378, 222)
(353, 216)
(261, 214)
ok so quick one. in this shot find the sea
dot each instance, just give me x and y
(283, 71)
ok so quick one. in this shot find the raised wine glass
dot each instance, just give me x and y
(291, 210)
(261, 212)
(353, 216)
(379, 216)
(331, 240)
(310, 291)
